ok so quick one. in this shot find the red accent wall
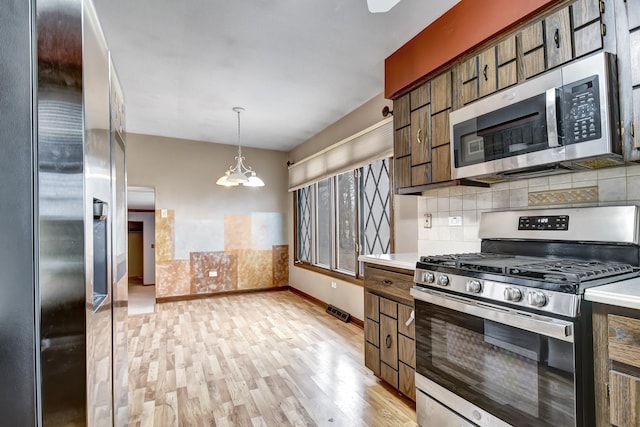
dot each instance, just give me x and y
(463, 27)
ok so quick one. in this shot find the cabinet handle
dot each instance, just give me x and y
(387, 282)
(411, 318)
(387, 341)
(484, 72)
(419, 136)
(556, 38)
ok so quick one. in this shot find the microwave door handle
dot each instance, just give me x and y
(552, 118)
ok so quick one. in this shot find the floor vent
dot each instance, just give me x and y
(340, 314)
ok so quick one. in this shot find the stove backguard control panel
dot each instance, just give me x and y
(544, 222)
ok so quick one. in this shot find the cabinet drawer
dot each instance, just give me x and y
(625, 399)
(407, 351)
(624, 339)
(372, 358)
(389, 374)
(372, 332)
(391, 283)
(407, 379)
(404, 314)
(388, 307)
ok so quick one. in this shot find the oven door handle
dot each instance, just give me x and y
(546, 326)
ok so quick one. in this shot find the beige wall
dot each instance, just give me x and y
(238, 233)
(359, 119)
(346, 295)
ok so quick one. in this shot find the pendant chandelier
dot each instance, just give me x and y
(240, 174)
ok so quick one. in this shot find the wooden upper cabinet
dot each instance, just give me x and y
(558, 36)
(467, 76)
(420, 136)
(441, 92)
(401, 112)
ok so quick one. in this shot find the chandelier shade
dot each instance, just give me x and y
(240, 174)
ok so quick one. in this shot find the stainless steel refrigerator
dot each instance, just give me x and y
(63, 286)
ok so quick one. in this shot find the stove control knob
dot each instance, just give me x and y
(428, 277)
(443, 280)
(512, 294)
(474, 286)
(537, 299)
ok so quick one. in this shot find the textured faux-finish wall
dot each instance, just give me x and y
(209, 238)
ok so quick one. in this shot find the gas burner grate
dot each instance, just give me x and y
(567, 271)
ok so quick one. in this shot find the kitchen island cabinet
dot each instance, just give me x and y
(389, 327)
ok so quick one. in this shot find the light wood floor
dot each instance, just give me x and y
(264, 359)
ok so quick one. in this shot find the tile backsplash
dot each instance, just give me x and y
(612, 186)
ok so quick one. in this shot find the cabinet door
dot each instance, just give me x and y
(441, 164)
(372, 332)
(586, 20)
(389, 341)
(633, 13)
(401, 112)
(531, 38)
(507, 64)
(420, 135)
(372, 306)
(421, 174)
(407, 350)
(407, 381)
(467, 75)
(402, 142)
(624, 399)
(372, 358)
(441, 92)
(634, 41)
(558, 36)
(420, 96)
(624, 340)
(405, 316)
(402, 172)
(487, 83)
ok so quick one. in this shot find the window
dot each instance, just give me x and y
(341, 217)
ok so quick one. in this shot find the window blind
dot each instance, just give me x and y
(366, 146)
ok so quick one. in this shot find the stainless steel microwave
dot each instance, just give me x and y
(562, 120)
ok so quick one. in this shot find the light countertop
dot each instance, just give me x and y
(406, 261)
(622, 294)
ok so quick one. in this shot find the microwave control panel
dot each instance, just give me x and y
(582, 111)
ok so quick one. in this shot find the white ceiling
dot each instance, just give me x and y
(297, 66)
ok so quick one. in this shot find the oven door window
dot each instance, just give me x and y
(521, 377)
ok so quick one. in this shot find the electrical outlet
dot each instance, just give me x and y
(455, 221)
(334, 285)
(163, 213)
(213, 273)
(427, 220)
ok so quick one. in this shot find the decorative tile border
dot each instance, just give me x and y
(564, 197)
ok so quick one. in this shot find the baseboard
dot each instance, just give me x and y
(219, 294)
(323, 304)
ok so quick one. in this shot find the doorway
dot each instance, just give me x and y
(141, 249)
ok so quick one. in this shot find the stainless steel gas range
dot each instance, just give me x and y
(503, 336)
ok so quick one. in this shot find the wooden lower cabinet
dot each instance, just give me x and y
(617, 366)
(389, 330)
